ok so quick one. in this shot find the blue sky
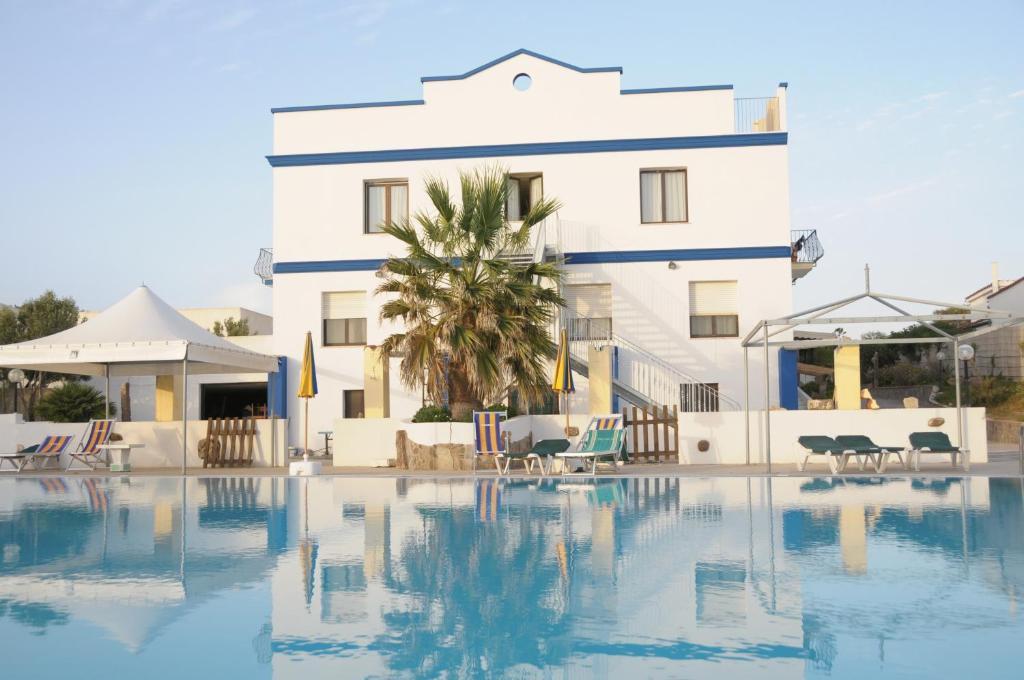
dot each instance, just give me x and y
(134, 133)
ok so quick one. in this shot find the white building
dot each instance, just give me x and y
(675, 226)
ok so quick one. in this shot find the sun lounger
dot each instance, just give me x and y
(541, 455)
(837, 454)
(937, 442)
(88, 452)
(489, 440)
(881, 453)
(603, 439)
(40, 455)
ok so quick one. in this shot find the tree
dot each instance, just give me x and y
(72, 403)
(37, 318)
(231, 328)
(475, 324)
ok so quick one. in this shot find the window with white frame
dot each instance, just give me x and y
(590, 305)
(387, 200)
(344, 318)
(524, 190)
(663, 196)
(713, 309)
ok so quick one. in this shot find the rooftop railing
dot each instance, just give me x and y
(807, 249)
(264, 267)
(757, 114)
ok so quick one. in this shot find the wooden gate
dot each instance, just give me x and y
(652, 435)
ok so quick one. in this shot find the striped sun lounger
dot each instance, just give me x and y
(47, 450)
(488, 438)
(89, 452)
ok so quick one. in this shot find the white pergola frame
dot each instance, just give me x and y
(997, 319)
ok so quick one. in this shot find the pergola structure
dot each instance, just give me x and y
(761, 334)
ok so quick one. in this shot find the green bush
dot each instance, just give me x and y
(993, 390)
(73, 402)
(904, 374)
(432, 414)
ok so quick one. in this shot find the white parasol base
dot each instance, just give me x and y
(304, 468)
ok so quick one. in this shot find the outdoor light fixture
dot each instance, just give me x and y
(965, 353)
(672, 265)
(16, 376)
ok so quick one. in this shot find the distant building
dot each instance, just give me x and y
(999, 352)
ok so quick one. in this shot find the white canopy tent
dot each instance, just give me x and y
(139, 335)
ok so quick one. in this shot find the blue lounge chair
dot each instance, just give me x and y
(837, 454)
(937, 442)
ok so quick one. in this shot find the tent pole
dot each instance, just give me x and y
(767, 404)
(956, 373)
(106, 392)
(184, 411)
(746, 398)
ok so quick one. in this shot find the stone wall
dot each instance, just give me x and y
(410, 455)
(1004, 431)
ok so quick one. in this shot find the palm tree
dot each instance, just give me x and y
(475, 325)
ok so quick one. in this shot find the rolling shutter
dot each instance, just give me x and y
(590, 301)
(349, 305)
(713, 298)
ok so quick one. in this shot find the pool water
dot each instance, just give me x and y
(619, 578)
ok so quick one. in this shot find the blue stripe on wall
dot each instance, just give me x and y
(495, 62)
(684, 88)
(327, 266)
(614, 256)
(593, 257)
(534, 149)
(357, 105)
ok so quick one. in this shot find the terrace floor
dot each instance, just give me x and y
(1004, 461)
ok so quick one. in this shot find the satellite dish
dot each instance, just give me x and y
(16, 375)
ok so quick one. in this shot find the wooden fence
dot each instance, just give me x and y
(652, 436)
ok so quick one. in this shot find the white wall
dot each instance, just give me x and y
(887, 427)
(366, 442)
(162, 441)
(562, 104)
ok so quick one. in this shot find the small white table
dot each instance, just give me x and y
(123, 451)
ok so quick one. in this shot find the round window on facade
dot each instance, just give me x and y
(522, 82)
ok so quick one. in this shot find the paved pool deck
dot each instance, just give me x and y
(1004, 461)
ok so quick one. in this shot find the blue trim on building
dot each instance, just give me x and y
(617, 256)
(478, 69)
(788, 380)
(327, 266)
(358, 105)
(591, 257)
(277, 390)
(686, 88)
(534, 149)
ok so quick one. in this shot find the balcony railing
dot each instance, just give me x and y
(758, 114)
(264, 267)
(807, 249)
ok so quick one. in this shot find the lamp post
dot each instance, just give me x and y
(16, 377)
(965, 353)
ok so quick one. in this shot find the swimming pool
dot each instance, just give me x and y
(401, 577)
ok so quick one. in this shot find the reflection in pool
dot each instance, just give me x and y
(383, 577)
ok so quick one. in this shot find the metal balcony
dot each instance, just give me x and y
(264, 267)
(807, 250)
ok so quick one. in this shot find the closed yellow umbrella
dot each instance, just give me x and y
(307, 385)
(562, 381)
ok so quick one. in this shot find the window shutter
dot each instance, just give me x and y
(590, 301)
(512, 207)
(350, 305)
(711, 298)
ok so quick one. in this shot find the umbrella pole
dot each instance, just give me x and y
(305, 444)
